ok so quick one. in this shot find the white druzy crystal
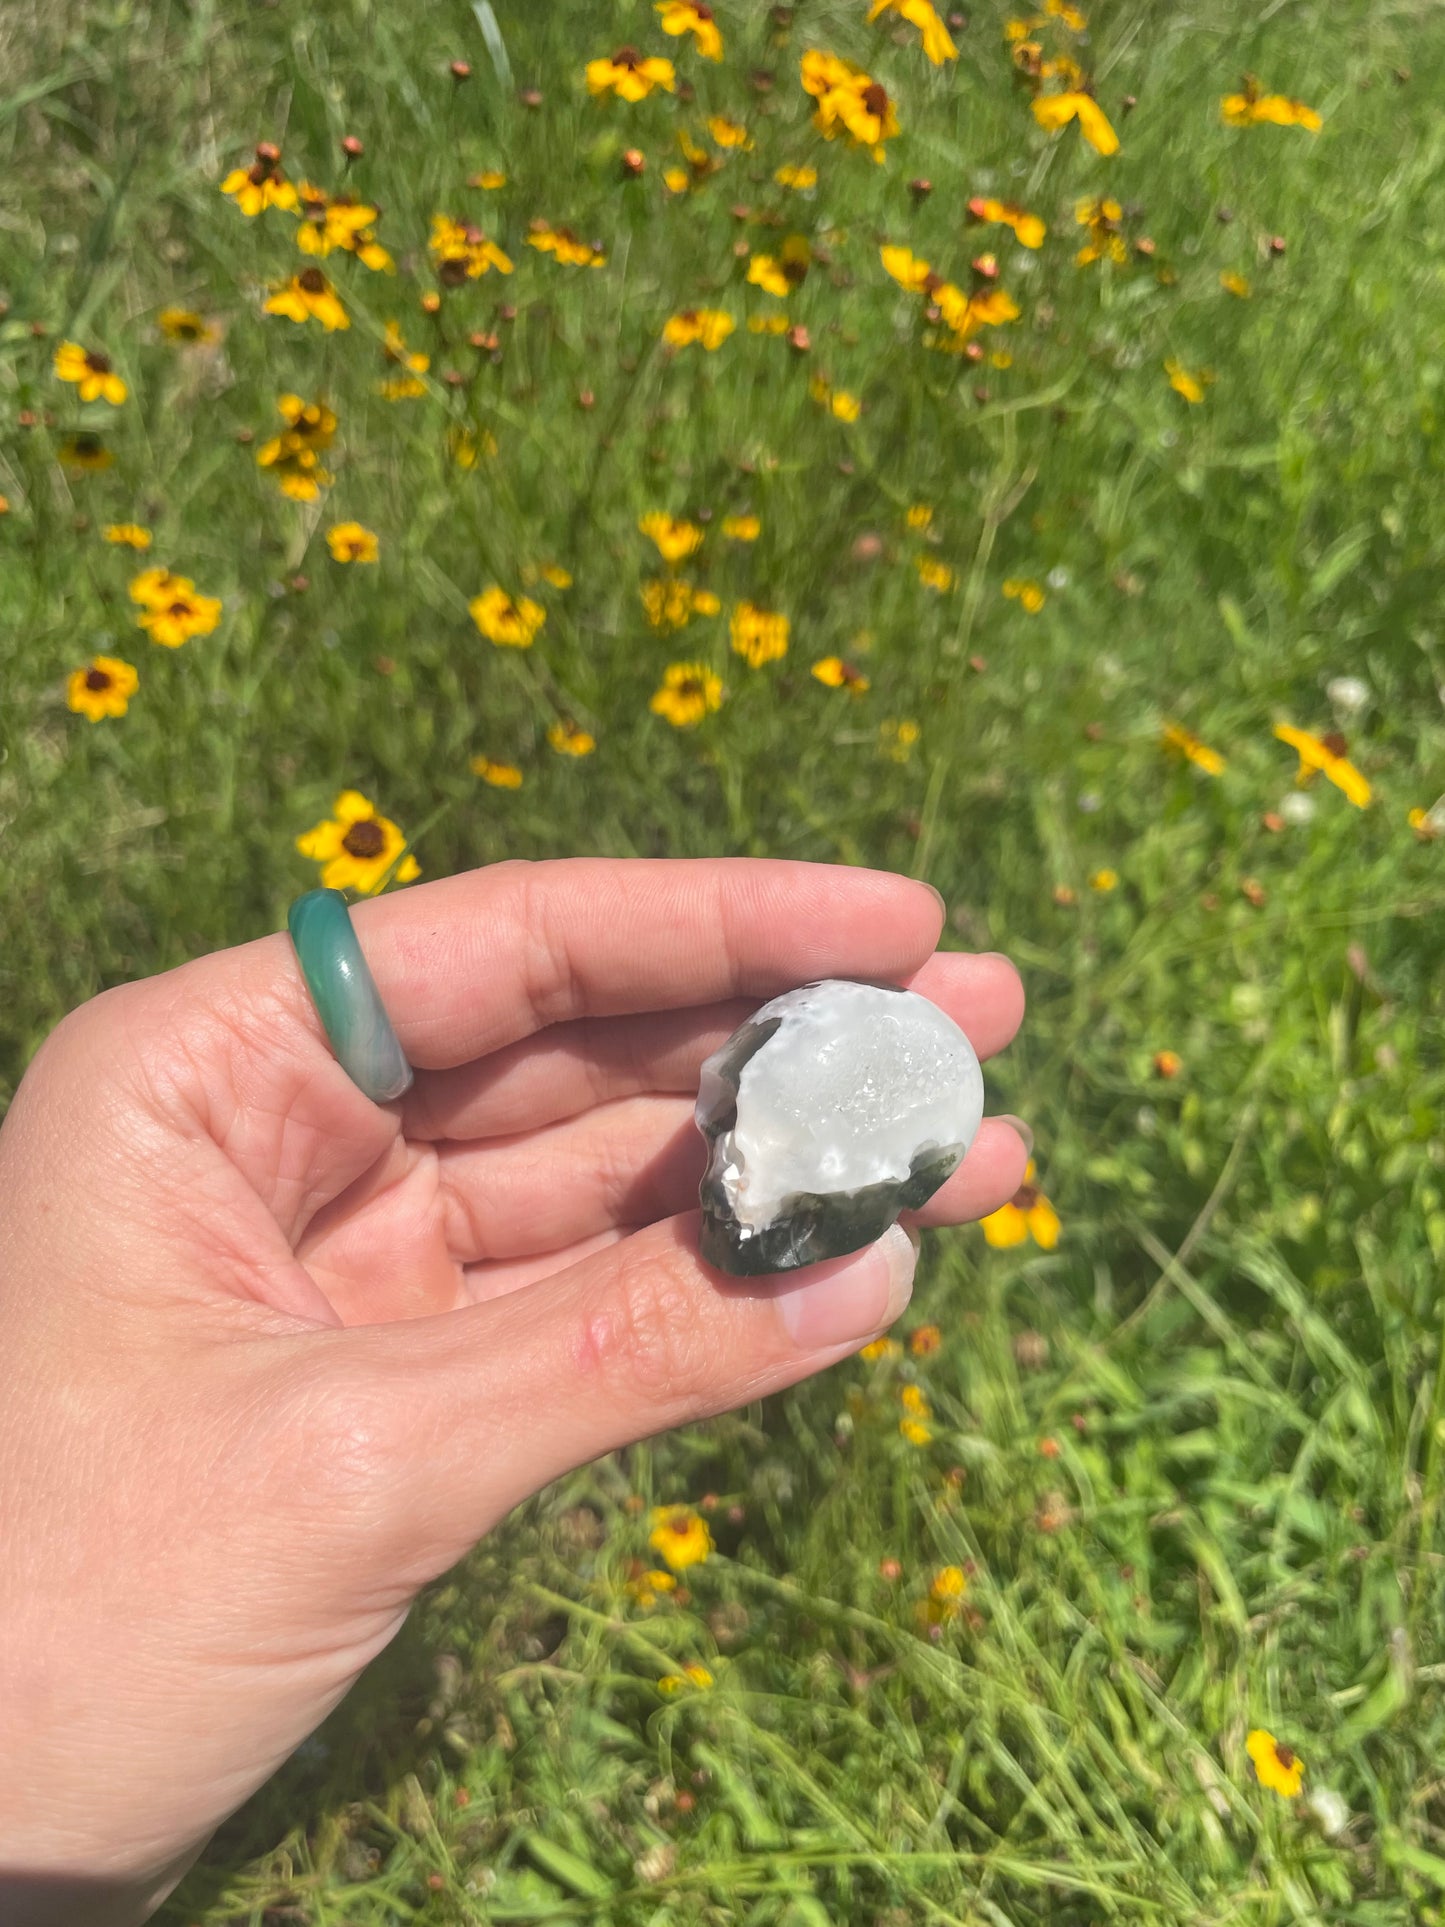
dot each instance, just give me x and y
(833, 1108)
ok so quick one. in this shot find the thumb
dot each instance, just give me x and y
(498, 1399)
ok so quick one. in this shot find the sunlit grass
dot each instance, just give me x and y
(1190, 1462)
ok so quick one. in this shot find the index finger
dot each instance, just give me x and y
(473, 962)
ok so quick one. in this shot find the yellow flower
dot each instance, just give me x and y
(705, 603)
(986, 307)
(102, 689)
(925, 1341)
(462, 252)
(85, 453)
(1104, 881)
(801, 179)
(396, 354)
(1189, 746)
(186, 326)
(309, 296)
(467, 449)
(881, 1348)
(1065, 11)
(338, 221)
(780, 273)
(261, 185)
(91, 372)
(1234, 284)
(350, 542)
(1053, 111)
(1428, 825)
(709, 327)
(1250, 108)
(630, 75)
(668, 602)
(768, 324)
(356, 847)
(697, 1676)
(741, 528)
(920, 516)
(758, 635)
(1167, 1063)
(501, 776)
(914, 1401)
(1101, 215)
(915, 1431)
(293, 456)
(1029, 595)
(648, 1587)
(838, 402)
(690, 16)
(944, 1600)
(127, 535)
(569, 740)
(1325, 754)
(308, 422)
(897, 738)
(689, 692)
(564, 246)
(171, 610)
(680, 1535)
(1191, 387)
(934, 574)
(508, 622)
(674, 537)
(728, 133)
(849, 100)
(1028, 1214)
(937, 43)
(834, 673)
(1276, 1766)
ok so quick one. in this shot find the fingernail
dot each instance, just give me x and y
(942, 906)
(1005, 1117)
(851, 1299)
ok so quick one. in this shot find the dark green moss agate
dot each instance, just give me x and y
(811, 1226)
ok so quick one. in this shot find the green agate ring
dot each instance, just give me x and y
(346, 997)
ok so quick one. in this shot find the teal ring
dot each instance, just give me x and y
(346, 997)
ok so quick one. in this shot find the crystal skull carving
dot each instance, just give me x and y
(831, 1110)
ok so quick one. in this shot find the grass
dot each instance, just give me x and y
(1192, 1461)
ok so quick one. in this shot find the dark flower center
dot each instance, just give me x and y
(690, 686)
(97, 679)
(700, 12)
(364, 839)
(1284, 1755)
(1025, 1198)
(188, 328)
(627, 57)
(1335, 743)
(312, 280)
(875, 99)
(180, 607)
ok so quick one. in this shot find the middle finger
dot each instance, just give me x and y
(568, 1067)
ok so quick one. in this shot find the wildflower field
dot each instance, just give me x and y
(1008, 450)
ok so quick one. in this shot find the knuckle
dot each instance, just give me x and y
(647, 1338)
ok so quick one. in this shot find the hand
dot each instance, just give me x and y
(277, 1356)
